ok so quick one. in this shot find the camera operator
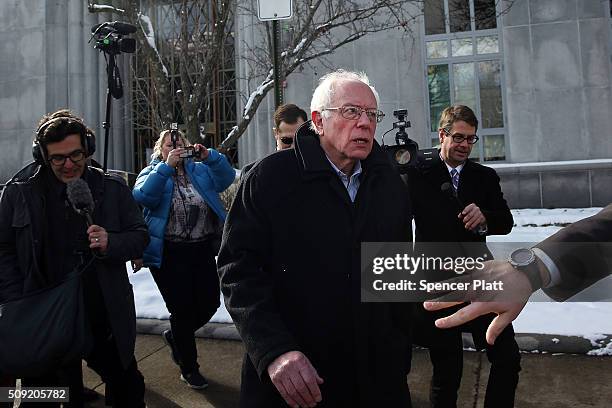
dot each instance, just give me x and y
(43, 239)
(179, 191)
(458, 201)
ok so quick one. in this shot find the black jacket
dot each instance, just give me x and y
(435, 215)
(290, 273)
(22, 222)
(435, 211)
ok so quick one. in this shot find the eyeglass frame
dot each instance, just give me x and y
(379, 114)
(455, 136)
(63, 157)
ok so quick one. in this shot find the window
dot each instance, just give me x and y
(464, 66)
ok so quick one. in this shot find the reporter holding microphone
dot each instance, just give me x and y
(68, 229)
(179, 191)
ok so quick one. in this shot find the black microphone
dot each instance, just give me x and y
(80, 198)
(447, 188)
(117, 26)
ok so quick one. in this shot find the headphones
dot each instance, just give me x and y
(88, 140)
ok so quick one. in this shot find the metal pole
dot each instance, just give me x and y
(106, 124)
(278, 91)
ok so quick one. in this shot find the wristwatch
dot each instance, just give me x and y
(524, 259)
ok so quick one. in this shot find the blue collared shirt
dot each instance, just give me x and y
(351, 183)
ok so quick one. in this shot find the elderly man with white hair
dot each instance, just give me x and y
(292, 284)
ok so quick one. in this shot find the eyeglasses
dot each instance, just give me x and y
(459, 138)
(60, 159)
(287, 140)
(354, 113)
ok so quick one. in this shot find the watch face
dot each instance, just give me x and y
(522, 256)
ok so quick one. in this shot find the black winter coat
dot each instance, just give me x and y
(21, 245)
(290, 273)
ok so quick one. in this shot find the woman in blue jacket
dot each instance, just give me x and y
(184, 213)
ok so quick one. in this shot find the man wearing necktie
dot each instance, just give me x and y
(460, 202)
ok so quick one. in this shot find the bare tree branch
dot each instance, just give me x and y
(192, 40)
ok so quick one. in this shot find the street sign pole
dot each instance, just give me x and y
(275, 10)
(278, 90)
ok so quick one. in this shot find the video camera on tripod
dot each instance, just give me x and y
(109, 37)
(405, 154)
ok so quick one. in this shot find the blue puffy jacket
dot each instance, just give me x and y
(154, 187)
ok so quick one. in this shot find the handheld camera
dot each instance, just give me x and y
(189, 151)
(174, 134)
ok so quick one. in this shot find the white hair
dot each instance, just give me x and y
(324, 93)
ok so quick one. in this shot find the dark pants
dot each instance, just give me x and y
(127, 384)
(6, 381)
(446, 354)
(189, 284)
(505, 359)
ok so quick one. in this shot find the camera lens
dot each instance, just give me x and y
(402, 156)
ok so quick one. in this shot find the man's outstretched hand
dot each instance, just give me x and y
(506, 313)
(507, 304)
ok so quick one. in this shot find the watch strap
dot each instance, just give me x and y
(532, 271)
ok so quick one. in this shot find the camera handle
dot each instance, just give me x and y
(401, 137)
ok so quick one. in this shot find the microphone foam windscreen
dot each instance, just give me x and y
(446, 187)
(79, 195)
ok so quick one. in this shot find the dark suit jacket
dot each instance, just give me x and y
(435, 211)
(435, 215)
(582, 252)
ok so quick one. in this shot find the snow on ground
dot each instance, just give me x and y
(586, 319)
(544, 217)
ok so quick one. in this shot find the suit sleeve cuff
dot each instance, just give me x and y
(553, 271)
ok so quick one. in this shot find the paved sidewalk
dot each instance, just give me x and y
(547, 380)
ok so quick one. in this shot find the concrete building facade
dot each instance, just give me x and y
(46, 64)
(539, 76)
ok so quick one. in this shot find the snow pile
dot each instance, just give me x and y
(583, 319)
(603, 351)
(557, 216)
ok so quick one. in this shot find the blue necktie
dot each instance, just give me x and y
(455, 179)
